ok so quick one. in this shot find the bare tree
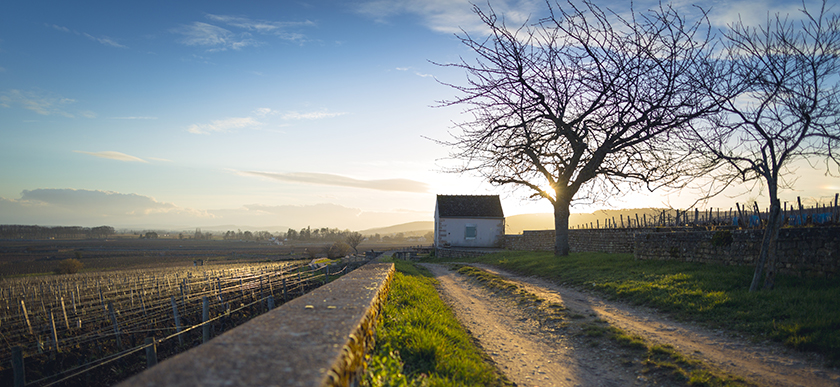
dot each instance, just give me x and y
(354, 239)
(784, 76)
(575, 105)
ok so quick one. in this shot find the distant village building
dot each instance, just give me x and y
(469, 221)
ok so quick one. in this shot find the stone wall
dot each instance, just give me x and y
(801, 251)
(618, 240)
(813, 251)
(318, 339)
(463, 252)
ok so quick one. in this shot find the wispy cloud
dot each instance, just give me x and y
(239, 34)
(753, 12)
(229, 124)
(134, 118)
(417, 73)
(311, 115)
(104, 40)
(262, 112)
(224, 125)
(114, 156)
(265, 27)
(37, 101)
(60, 28)
(216, 38)
(450, 16)
(401, 185)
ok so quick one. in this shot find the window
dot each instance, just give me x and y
(470, 232)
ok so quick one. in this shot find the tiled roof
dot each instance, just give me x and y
(469, 206)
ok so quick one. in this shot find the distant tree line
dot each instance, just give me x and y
(318, 234)
(247, 235)
(335, 235)
(60, 232)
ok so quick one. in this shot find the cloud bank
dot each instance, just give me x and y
(79, 207)
(90, 208)
(400, 185)
(318, 215)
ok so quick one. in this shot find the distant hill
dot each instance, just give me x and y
(409, 229)
(515, 224)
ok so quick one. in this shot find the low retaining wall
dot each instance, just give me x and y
(811, 251)
(318, 339)
(464, 252)
(618, 240)
(806, 251)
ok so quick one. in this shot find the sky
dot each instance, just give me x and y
(184, 114)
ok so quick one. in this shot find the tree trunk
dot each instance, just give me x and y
(768, 245)
(774, 224)
(561, 227)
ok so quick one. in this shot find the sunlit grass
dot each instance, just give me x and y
(803, 313)
(419, 341)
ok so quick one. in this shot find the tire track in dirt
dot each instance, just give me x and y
(524, 353)
(766, 364)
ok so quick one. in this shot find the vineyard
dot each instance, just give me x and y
(95, 329)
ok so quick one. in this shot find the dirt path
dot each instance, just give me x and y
(530, 356)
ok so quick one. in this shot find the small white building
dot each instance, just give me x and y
(469, 221)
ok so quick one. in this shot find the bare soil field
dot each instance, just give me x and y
(32, 257)
(531, 354)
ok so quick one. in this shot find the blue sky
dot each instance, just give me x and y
(284, 113)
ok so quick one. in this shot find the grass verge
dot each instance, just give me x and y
(803, 313)
(660, 364)
(420, 342)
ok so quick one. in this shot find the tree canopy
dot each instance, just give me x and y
(576, 104)
(780, 88)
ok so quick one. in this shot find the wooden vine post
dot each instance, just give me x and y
(17, 367)
(151, 352)
(114, 321)
(205, 316)
(54, 332)
(26, 316)
(177, 320)
(63, 309)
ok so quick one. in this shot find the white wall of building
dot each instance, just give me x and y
(452, 231)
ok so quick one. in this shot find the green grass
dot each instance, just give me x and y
(665, 359)
(419, 341)
(803, 313)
